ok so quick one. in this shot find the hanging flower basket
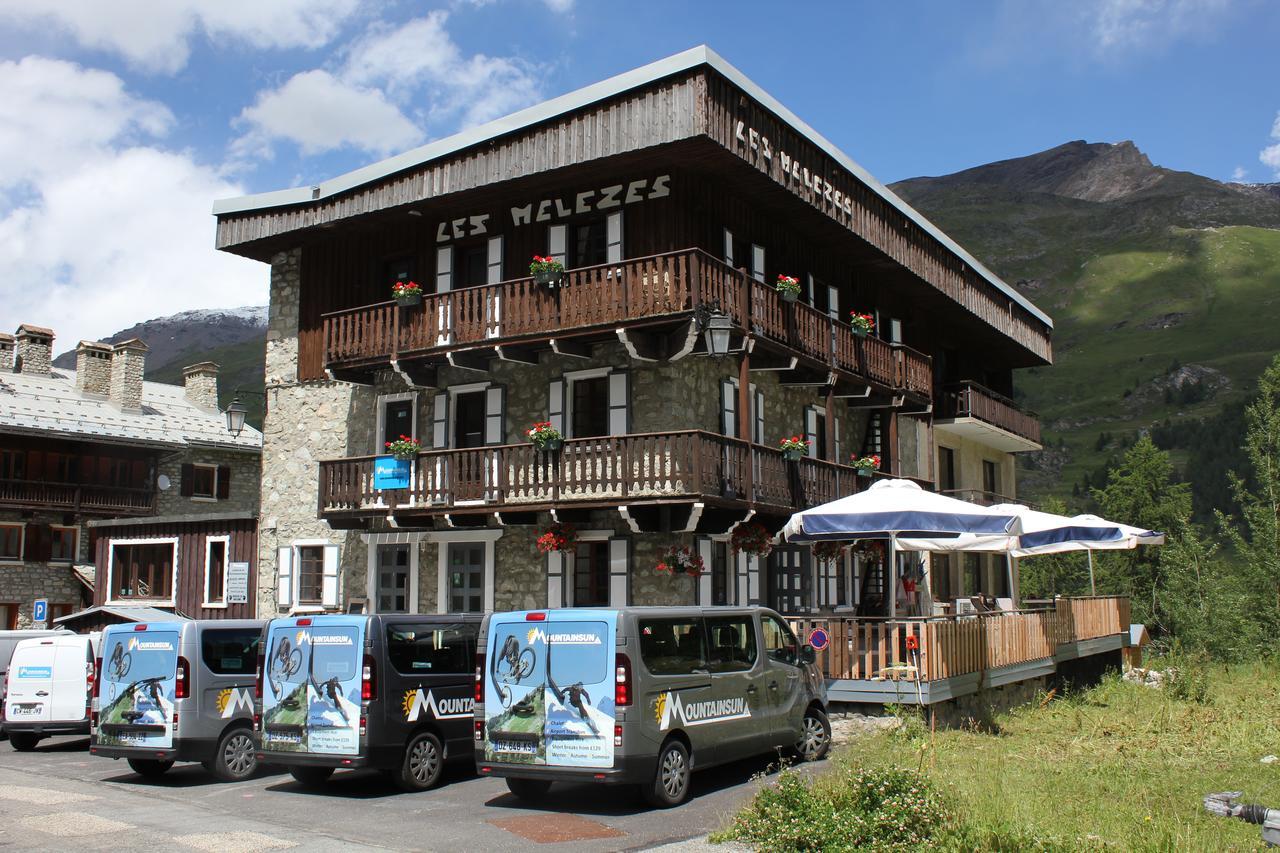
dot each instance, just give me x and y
(863, 324)
(545, 437)
(866, 465)
(558, 537)
(751, 538)
(794, 448)
(680, 560)
(827, 552)
(546, 271)
(404, 447)
(407, 293)
(869, 550)
(788, 288)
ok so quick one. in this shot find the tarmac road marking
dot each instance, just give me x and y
(42, 796)
(233, 842)
(68, 824)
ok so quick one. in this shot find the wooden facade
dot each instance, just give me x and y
(81, 477)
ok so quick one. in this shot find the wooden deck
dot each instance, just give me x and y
(73, 497)
(971, 400)
(870, 660)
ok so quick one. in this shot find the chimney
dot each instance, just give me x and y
(33, 353)
(6, 352)
(128, 363)
(201, 384)
(93, 368)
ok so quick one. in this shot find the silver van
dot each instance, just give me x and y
(178, 691)
(8, 642)
(641, 695)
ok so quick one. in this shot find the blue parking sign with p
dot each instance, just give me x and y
(40, 610)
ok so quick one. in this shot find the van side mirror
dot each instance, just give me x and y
(807, 654)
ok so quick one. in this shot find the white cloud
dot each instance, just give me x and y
(385, 76)
(113, 227)
(1120, 26)
(1270, 156)
(1239, 174)
(561, 6)
(157, 35)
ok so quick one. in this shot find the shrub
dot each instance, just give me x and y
(879, 809)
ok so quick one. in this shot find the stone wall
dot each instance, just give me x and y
(243, 496)
(22, 583)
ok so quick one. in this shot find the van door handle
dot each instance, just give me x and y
(773, 685)
(751, 688)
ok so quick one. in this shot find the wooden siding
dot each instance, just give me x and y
(190, 568)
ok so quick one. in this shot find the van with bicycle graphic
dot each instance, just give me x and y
(178, 691)
(391, 692)
(641, 695)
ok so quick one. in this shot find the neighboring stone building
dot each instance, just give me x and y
(675, 195)
(115, 490)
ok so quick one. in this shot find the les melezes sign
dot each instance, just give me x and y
(549, 209)
(788, 170)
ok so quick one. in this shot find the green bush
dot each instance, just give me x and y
(880, 809)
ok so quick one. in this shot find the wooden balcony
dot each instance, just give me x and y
(652, 299)
(72, 497)
(972, 411)
(959, 654)
(674, 467)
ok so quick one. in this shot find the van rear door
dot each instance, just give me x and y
(311, 687)
(30, 679)
(72, 666)
(139, 680)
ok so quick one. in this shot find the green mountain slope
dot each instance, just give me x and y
(1164, 287)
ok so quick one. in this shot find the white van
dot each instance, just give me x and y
(48, 688)
(8, 642)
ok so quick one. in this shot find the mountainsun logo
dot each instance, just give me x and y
(234, 699)
(581, 638)
(670, 709)
(415, 702)
(150, 645)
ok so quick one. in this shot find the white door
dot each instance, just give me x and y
(30, 696)
(71, 668)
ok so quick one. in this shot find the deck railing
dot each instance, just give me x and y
(945, 647)
(74, 497)
(609, 468)
(971, 400)
(636, 291)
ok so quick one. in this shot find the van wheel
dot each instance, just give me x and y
(152, 768)
(670, 785)
(815, 736)
(529, 789)
(422, 765)
(235, 759)
(23, 741)
(311, 775)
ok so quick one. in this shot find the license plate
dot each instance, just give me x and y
(271, 737)
(26, 709)
(131, 737)
(521, 747)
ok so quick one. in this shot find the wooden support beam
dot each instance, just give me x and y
(767, 360)
(576, 349)
(417, 374)
(518, 354)
(643, 346)
(474, 359)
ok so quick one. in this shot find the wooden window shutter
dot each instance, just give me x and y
(444, 269)
(557, 243)
(728, 407)
(619, 577)
(555, 404)
(284, 576)
(38, 546)
(837, 457)
(619, 408)
(704, 580)
(809, 288)
(757, 262)
(495, 414)
(833, 302)
(224, 482)
(555, 579)
(728, 247)
(613, 238)
(811, 428)
(440, 422)
(187, 486)
(329, 581)
(495, 260)
(758, 417)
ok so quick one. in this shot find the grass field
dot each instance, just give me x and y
(1118, 767)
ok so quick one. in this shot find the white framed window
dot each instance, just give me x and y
(307, 576)
(142, 570)
(590, 403)
(64, 543)
(392, 577)
(204, 482)
(397, 415)
(595, 572)
(12, 538)
(217, 550)
(462, 590)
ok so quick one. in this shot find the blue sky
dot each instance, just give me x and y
(122, 121)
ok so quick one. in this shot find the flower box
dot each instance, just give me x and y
(546, 271)
(788, 288)
(407, 293)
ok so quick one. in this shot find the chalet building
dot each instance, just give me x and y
(675, 196)
(117, 491)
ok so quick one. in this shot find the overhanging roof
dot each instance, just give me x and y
(680, 62)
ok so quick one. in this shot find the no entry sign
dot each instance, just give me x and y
(819, 639)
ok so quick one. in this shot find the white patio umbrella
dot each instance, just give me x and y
(894, 509)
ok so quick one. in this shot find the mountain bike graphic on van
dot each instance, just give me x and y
(121, 662)
(511, 666)
(284, 663)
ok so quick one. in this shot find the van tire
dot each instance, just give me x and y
(23, 741)
(815, 736)
(235, 759)
(151, 768)
(423, 764)
(670, 785)
(311, 776)
(531, 790)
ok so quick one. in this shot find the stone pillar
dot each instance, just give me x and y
(33, 353)
(128, 365)
(6, 352)
(93, 368)
(200, 382)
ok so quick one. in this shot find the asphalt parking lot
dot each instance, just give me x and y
(59, 797)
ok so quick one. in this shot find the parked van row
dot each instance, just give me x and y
(637, 696)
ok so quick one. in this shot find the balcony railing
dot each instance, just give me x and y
(605, 470)
(980, 496)
(633, 292)
(971, 400)
(90, 499)
(948, 646)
